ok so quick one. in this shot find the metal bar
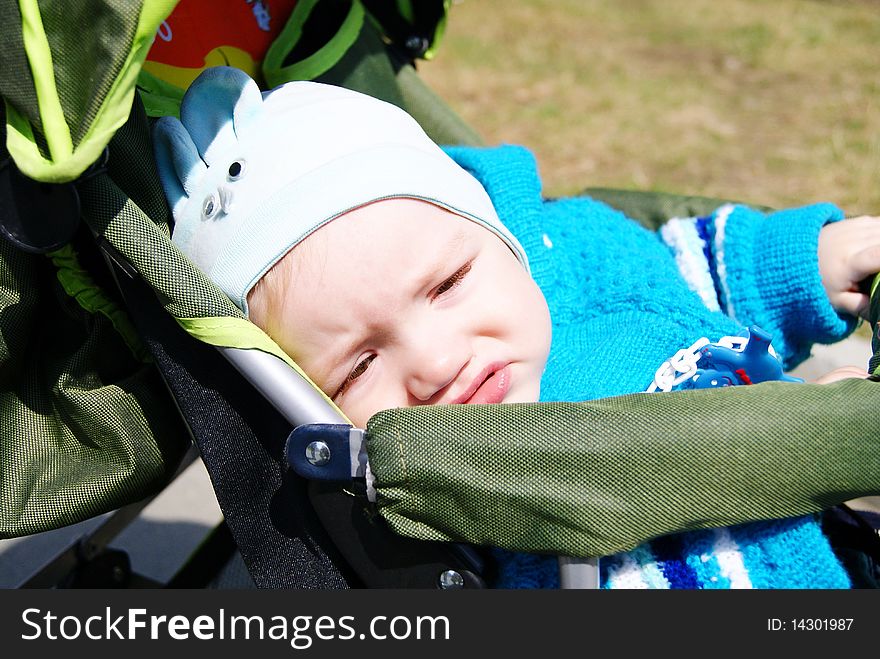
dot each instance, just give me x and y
(578, 573)
(292, 395)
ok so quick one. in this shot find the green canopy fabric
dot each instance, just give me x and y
(594, 478)
(70, 69)
(57, 125)
(86, 423)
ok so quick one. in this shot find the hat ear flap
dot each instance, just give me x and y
(218, 108)
(177, 159)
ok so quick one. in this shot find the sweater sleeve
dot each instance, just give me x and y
(762, 269)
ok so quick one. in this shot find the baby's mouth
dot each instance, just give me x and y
(492, 389)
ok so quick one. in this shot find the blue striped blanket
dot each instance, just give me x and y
(787, 553)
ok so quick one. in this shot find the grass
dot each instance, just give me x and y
(774, 103)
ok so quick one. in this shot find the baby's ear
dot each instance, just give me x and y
(180, 166)
(219, 108)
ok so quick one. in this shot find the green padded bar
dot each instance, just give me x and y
(652, 208)
(595, 478)
(440, 122)
(367, 68)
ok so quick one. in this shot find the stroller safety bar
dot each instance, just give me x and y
(337, 452)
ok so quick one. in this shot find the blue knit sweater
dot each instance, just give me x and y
(623, 300)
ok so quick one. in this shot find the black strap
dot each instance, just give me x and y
(240, 437)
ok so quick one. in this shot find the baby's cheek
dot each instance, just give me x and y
(537, 313)
(358, 415)
(361, 408)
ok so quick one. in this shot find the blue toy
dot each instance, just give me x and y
(734, 360)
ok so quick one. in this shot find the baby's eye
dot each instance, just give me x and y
(454, 280)
(356, 372)
(361, 368)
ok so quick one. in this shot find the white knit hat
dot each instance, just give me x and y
(249, 175)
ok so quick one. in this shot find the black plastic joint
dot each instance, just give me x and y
(320, 451)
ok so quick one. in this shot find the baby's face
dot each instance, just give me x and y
(402, 303)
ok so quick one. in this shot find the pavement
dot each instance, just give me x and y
(169, 529)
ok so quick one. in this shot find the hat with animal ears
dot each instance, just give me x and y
(249, 175)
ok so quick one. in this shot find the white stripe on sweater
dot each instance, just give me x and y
(730, 560)
(721, 267)
(681, 235)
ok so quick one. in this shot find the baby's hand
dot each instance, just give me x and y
(842, 373)
(849, 252)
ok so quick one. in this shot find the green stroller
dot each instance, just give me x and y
(104, 418)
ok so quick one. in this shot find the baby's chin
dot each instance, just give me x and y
(526, 393)
(522, 399)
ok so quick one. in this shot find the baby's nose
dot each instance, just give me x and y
(435, 354)
(431, 374)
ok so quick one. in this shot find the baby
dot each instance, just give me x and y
(399, 274)
(382, 267)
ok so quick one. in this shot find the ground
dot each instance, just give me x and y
(775, 103)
